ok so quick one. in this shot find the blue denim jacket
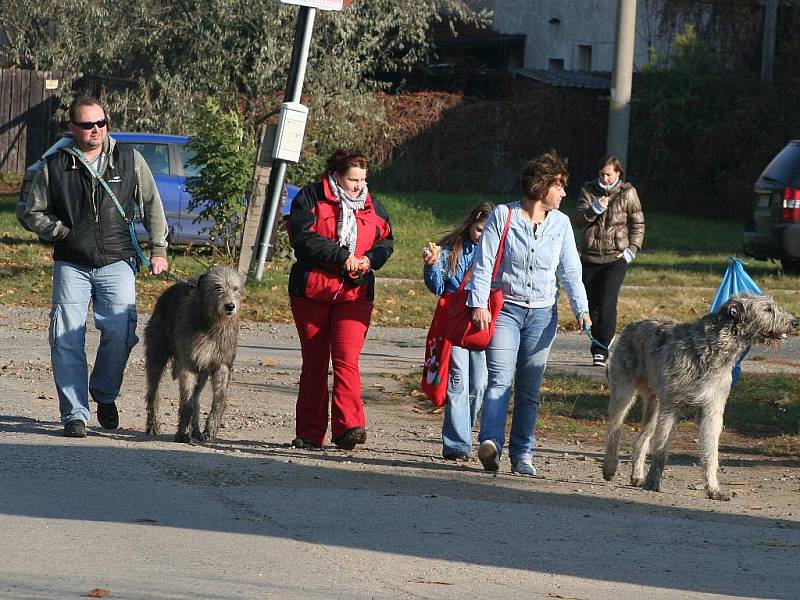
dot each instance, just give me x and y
(439, 279)
(535, 261)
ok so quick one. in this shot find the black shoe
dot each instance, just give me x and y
(107, 415)
(75, 428)
(457, 456)
(304, 444)
(351, 437)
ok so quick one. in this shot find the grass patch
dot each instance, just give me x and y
(765, 409)
(686, 256)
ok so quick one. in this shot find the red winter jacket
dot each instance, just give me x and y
(319, 271)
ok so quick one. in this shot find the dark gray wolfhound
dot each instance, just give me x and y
(196, 325)
(674, 366)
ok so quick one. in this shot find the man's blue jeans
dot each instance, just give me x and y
(112, 290)
(465, 385)
(517, 354)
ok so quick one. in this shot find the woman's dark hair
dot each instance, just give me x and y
(456, 237)
(612, 160)
(85, 101)
(344, 158)
(541, 173)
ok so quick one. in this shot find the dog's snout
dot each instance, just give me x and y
(230, 307)
(795, 323)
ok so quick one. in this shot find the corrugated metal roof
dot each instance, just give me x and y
(565, 78)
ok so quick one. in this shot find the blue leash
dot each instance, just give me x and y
(587, 329)
(76, 152)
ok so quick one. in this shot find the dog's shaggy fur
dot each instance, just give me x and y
(197, 326)
(678, 365)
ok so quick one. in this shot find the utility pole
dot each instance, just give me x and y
(619, 113)
(292, 121)
(768, 45)
(294, 88)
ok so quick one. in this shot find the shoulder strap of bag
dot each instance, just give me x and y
(76, 152)
(499, 257)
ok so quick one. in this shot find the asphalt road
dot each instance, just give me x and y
(249, 517)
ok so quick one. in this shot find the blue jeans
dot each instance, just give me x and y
(112, 290)
(517, 353)
(465, 385)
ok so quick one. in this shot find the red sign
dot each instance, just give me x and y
(320, 4)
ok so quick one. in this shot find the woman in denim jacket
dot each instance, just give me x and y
(467, 373)
(539, 255)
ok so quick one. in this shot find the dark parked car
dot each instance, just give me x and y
(774, 231)
(168, 159)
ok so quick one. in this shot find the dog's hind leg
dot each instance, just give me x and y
(665, 424)
(187, 382)
(155, 362)
(198, 388)
(710, 430)
(219, 383)
(621, 397)
(642, 443)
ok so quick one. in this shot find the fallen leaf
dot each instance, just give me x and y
(98, 593)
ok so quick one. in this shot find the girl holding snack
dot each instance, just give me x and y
(446, 265)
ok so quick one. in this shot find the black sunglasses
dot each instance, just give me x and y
(87, 125)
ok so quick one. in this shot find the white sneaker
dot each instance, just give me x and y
(598, 360)
(524, 467)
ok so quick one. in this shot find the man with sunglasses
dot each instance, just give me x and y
(94, 258)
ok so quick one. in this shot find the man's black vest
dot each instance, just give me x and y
(98, 234)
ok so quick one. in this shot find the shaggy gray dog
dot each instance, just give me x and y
(195, 324)
(680, 365)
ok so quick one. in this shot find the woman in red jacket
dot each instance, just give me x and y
(340, 235)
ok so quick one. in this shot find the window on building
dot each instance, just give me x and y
(584, 62)
(555, 64)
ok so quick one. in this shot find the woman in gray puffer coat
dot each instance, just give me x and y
(610, 216)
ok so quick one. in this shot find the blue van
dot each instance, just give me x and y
(168, 159)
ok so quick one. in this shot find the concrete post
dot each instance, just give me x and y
(768, 45)
(619, 113)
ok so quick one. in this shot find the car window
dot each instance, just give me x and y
(155, 155)
(189, 170)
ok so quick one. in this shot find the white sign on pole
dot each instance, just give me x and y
(320, 4)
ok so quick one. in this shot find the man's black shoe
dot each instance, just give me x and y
(75, 428)
(351, 437)
(107, 415)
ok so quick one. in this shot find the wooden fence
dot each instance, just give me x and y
(29, 101)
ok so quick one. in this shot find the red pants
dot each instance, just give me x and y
(330, 332)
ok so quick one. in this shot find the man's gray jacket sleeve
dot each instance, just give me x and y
(150, 207)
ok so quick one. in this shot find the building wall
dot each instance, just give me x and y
(575, 23)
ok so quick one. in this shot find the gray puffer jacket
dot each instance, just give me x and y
(607, 233)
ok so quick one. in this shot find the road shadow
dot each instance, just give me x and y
(403, 504)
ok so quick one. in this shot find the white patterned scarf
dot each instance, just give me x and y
(611, 186)
(346, 227)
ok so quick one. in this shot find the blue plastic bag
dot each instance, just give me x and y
(735, 281)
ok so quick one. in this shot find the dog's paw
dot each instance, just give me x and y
(207, 437)
(153, 430)
(609, 470)
(637, 482)
(652, 484)
(182, 438)
(719, 495)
